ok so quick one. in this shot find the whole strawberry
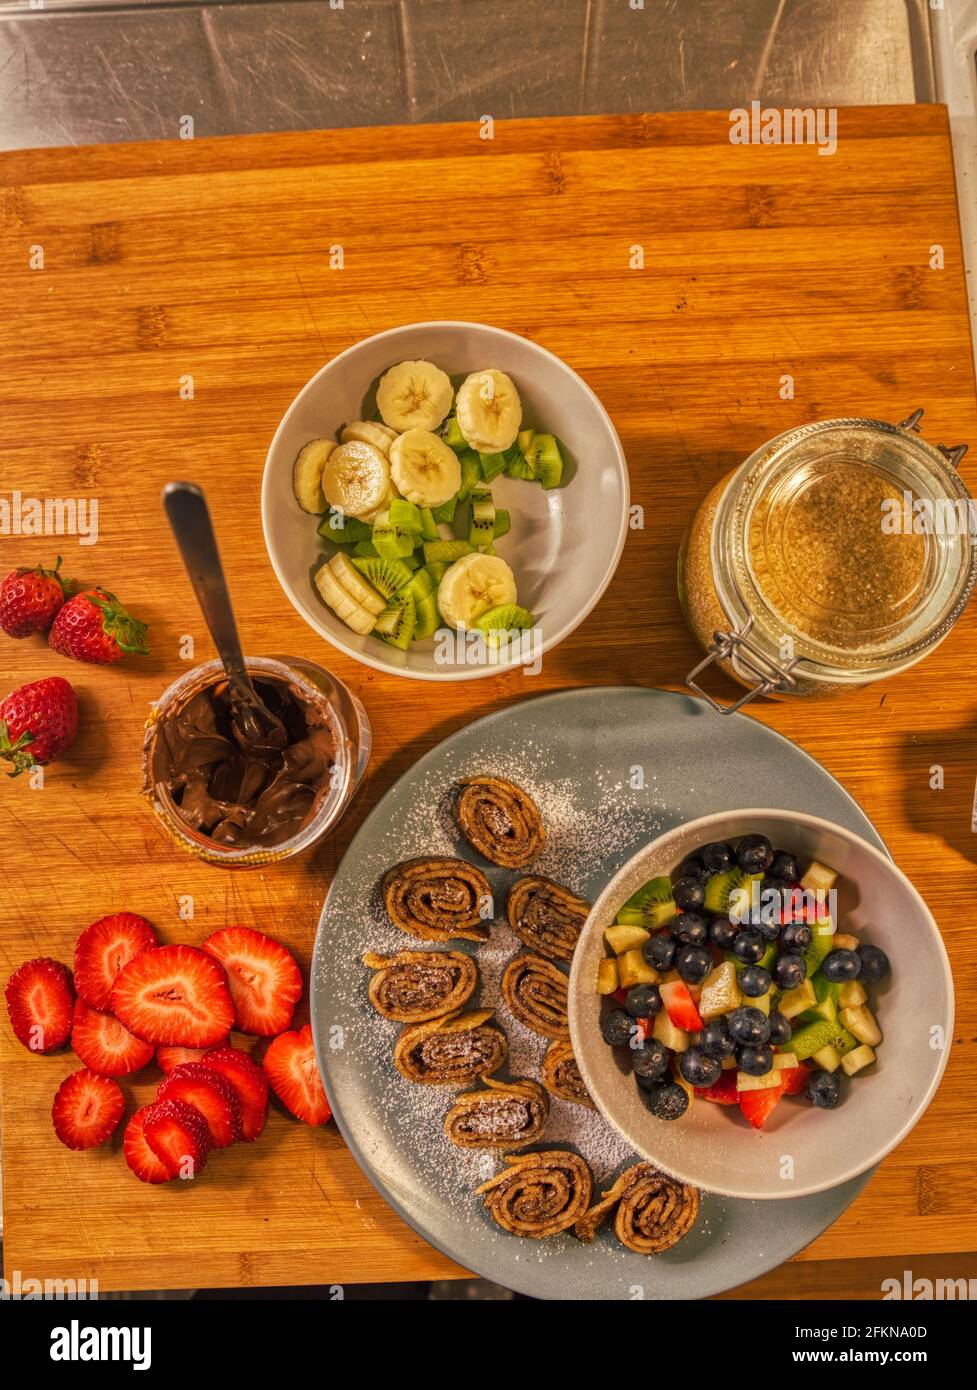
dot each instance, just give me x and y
(30, 599)
(95, 627)
(38, 723)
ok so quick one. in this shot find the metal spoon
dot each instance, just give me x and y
(186, 509)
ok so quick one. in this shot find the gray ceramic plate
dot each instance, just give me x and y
(611, 769)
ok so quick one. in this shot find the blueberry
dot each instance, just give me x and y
(692, 867)
(749, 1025)
(768, 929)
(823, 1089)
(754, 854)
(721, 932)
(748, 945)
(651, 1060)
(754, 981)
(785, 865)
(643, 1001)
(693, 963)
(755, 1061)
(841, 966)
(717, 857)
(716, 1040)
(697, 1068)
(875, 964)
(659, 951)
(689, 894)
(616, 1027)
(689, 929)
(796, 936)
(789, 969)
(780, 1029)
(665, 1099)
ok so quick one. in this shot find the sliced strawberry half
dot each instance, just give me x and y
(105, 1045)
(174, 994)
(250, 1083)
(757, 1105)
(178, 1135)
(723, 1091)
(293, 1075)
(210, 1093)
(103, 949)
(139, 1156)
(86, 1109)
(39, 1002)
(795, 1079)
(264, 979)
(171, 1057)
(680, 1006)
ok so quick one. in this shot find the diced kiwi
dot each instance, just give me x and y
(481, 519)
(452, 435)
(795, 1001)
(471, 474)
(449, 551)
(392, 542)
(411, 561)
(826, 995)
(446, 511)
(607, 978)
(763, 1002)
(436, 569)
(420, 584)
(633, 969)
(544, 456)
(491, 465)
(813, 1036)
(429, 527)
(344, 530)
(503, 522)
(387, 576)
(404, 515)
(364, 549)
(428, 616)
(623, 938)
(397, 622)
(520, 467)
(821, 943)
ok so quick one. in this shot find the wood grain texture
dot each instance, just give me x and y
(210, 259)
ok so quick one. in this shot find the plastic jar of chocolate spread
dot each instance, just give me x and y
(838, 553)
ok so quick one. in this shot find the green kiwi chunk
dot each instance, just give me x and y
(449, 551)
(420, 584)
(405, 516)
(364, 549)
(344, 530)
(428, 617)
(502, 522)
(445, 513)
(491, 465)
(481, 522)
(471, 474)
(545, 459)
(813, 1036)
(429, 527)
(392, 542)
(387, 576)
(452, 435)
(398, 621)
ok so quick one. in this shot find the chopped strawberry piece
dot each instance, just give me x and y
(139, 1156)
(174, 994)
(680, 1006)
(105, 1045)
(620, 995)
(795, 1079)
(86, 1109)
(178, 1135)
(39, 1002)
(212, 1094)
(250, 1083)
(644, 1027)
(264, 979)
(103, 949)
(757, 1105)
(293, 1074)
(723, 1091)
(171, 1057)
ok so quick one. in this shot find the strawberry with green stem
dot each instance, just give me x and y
(30, 599)
(95, 627)
(38, 722)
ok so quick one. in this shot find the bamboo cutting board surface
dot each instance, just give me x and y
(210, 259)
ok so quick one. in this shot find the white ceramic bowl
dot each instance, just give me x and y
(564, 544)
(800, 1150)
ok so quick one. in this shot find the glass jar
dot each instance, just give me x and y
(838, 553)
(343, 715)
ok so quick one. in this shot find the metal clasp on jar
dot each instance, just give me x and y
(953, 453)
(750, 659)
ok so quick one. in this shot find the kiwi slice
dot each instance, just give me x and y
(813, 1036)
(405, 516)
(385, 575)
(429, 527)
(497, 623)
(420, 584)
(344, 530)
(398, 621)
(445, 513)
(481, 524)
(720, 888)
(545, 459)
(436, 569)
(449, 551)
(491, 465)
(411, 561)
(471, 473)
(428, 616)
(452, 435)
(651, 906)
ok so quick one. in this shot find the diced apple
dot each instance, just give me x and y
(785, 1061)
(819, 877)
(763, 1002)
(827, 1058)
(633, 969)
(720, 992)
(745, 1082)
(851, 995)
(795, 1001)
(861, 1023)
(862, 1057)
(607, 981)
(843, 942)
(623, 938)
(677, 1039)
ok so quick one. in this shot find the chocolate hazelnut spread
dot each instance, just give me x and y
(237, 792)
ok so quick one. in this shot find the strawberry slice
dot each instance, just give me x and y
(723, 1091)
(250, 1083)
(139, 1156)
(680, 1006)
(795, 1079)
(105, 1045)
(757, 1105)
(103, 949)
(172, 1057)
(211, 1094)
(293, 1075)
(39, 1002)
(174, 994)
(86, 1109)
(178, 1135)
(264, 979)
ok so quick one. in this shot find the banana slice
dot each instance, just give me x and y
(424, 469)
(473, 585)
(307, 475)
(414, 395)
(488, 411)
(369, 432)
(355, 478)
(355, 585)
(342, 603)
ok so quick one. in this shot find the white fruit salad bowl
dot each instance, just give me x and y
(445, 501)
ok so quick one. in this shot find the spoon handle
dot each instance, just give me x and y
(186, 508)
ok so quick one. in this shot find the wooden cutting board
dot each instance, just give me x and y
(210, 260)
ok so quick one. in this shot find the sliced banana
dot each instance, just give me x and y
(414, 395)
(342, 603)
(355, 585)
(307, 475)
(488, 411)
(473, 585)
(369, 432)
(355, 478)
(423, 468)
